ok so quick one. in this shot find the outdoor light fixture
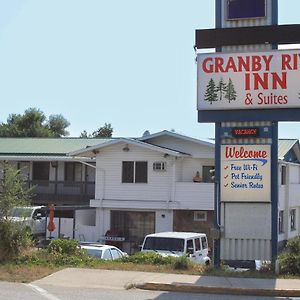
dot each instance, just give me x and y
(126, 148)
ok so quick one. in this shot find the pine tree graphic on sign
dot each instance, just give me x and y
(211, 92)
(221, 89)
(230, 94)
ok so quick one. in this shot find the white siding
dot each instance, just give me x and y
(195, 196)
(294, 174)
(109, 165)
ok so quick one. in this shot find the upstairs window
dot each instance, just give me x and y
(283, 175)
(40, 170)
(73, 172)
(206, 174)
(280, 222)
(293, 219)
(134, 172)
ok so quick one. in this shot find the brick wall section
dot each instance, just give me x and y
(184, 221)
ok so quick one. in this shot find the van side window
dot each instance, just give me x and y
(204, 242)
(197, 244)
(190, 246)
(42, 213)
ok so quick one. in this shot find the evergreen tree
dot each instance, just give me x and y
(211, 92)
(221, 89)
(230, 91)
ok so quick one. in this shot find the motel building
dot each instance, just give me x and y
(124, 188)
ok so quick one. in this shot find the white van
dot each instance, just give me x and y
(192, 244)
(33, 217)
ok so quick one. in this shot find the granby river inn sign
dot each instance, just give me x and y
(245, 94)
(249, 80)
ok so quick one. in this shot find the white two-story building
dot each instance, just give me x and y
(146, 185)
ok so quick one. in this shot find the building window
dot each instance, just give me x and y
(40, 170)
(200, 216)
(283, 175)
(134, 172)
(206, 175)
(73, 172)
(280, 222)
(293, 219)
(159, 166)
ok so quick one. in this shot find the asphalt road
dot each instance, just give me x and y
(19, 291)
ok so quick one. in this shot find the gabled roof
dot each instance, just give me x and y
(179, 136)
(91, 151)
(285, 145)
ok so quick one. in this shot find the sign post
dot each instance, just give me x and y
(245, 93)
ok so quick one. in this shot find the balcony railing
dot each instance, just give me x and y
(62, 192)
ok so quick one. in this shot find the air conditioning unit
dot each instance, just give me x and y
(159, 166)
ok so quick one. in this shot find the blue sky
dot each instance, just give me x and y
(129, 63)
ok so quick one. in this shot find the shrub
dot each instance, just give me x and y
(289, 259)
(62, 246)
(181, 263)
(151, 258)
(14, 239)
(148, 258)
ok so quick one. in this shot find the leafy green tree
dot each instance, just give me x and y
(13, 192)
(84, 134)
(57, 124)
(34, 123)
(221, 89)
(230, 91)
(211, 92)
(104, 131)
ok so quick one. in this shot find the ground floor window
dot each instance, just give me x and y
(133, 225)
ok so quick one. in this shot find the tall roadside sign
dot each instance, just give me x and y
(245, 88)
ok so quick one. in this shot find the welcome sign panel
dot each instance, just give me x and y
(245, 173)
(253, 80)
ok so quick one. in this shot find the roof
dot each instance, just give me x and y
(59, 148)
(174, 234)
(90, 150)
(284, 146)
(45, 146)
(177, 135)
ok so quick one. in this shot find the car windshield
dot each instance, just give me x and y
(94, 252)
(21, 212)
(166, 244)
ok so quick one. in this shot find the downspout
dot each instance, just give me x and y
(173, 183)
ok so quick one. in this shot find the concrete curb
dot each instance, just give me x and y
(192, 288)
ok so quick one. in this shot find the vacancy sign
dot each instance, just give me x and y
(253, 80)
(245, 173)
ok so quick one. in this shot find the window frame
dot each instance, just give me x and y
(197, 219)
(137, 172)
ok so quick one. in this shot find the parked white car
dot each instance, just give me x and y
(192, 244)
(33, 217)
(105, 252)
